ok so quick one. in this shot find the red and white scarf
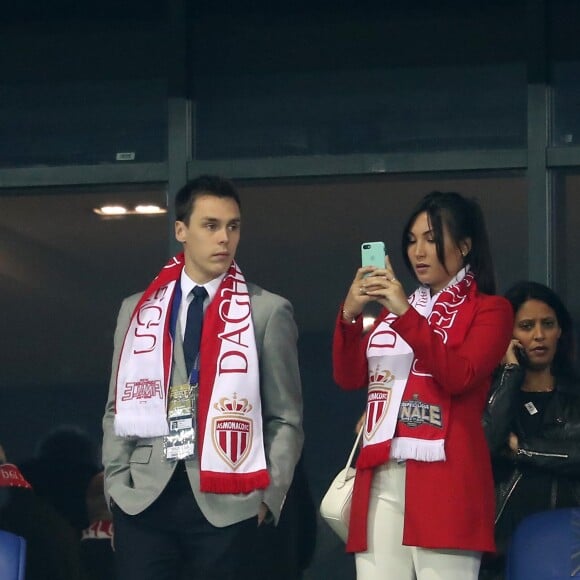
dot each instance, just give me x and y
(229, 420)
(407, 413)
(98, 530)
(10, 476)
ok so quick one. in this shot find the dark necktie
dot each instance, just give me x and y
(193, 327)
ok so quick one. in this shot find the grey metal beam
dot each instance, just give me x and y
(540, 191)
(83, 175)
(179, 111)
(562, 253)
(324, 165)
(316, 165)
(563, 157)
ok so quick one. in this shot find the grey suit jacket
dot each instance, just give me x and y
(136, 471)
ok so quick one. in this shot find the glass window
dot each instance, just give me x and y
(562, 29)
(566, 104)
(345, 80)
(78, 92)
(83, 122)
(409, 110)
(568, 239)
(565, 71)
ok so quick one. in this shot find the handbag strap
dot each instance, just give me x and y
(354, 447)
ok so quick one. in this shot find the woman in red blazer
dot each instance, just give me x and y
(423, 501)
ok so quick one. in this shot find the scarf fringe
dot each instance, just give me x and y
(215, 482)
(403, 448)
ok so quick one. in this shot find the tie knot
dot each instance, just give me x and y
(199, 292)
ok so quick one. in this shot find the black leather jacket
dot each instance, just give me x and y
(555, 451)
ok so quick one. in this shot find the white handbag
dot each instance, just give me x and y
(335, 505)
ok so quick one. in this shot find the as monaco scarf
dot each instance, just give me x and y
(229, 420)
(407, 413)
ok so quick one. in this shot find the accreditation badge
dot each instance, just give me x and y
(180, 443)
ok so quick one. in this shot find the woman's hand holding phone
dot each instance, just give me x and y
(356, 298)
(515, 353)
(384, 287)
(375, 280)
(372, 260)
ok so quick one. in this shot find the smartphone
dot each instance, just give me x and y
(373, 254)
(521, 356)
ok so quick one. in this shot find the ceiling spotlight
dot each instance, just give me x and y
(149, 209)
(119, 210)
(111, 210)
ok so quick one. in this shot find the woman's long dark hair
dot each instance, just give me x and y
(464, 219)
(521, 292)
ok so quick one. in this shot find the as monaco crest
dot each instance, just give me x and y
(232, 431)
(379, 398)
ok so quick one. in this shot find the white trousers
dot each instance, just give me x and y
(387, 558)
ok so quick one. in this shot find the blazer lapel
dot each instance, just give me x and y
(179, 369)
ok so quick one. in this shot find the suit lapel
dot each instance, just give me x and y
(179, 370)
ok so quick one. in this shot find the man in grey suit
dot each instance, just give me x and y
(189, 485)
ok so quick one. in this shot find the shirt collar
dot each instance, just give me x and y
(211, 287)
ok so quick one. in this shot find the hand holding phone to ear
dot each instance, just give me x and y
(515, 353)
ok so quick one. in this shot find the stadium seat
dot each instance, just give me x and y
(12, 556)
(546, 546)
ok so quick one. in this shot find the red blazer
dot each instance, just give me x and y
(448, 504)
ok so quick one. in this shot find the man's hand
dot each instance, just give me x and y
(262, 513)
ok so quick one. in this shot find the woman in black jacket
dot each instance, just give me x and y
(532, 421)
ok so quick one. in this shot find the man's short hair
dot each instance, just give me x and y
(202, 185)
